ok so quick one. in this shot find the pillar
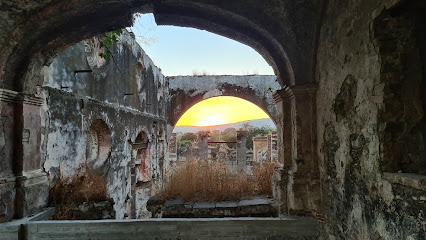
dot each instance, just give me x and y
(173, 154)
(22, 180)
(297, 175)
(203, 144)
(284, 150)
(273, 154)
(304, 175)
(241, 150)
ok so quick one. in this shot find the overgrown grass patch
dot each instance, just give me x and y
(67, 194)
(197, 180)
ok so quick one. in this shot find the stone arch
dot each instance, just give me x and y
(98, 144)
(186, 91)
(61, 24)
(283, 32)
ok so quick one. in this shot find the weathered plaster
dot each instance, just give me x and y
(112, 93)
(358, 202)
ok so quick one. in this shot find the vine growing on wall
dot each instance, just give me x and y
(108, 41)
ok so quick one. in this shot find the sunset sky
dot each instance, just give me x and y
(221, 110)
(185, 51)
(189, 51)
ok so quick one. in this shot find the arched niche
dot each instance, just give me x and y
(98, 144)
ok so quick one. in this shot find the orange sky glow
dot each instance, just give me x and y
(221, 110)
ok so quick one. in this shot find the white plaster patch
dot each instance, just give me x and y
(58, 150)
(386, 192)
(211, 93)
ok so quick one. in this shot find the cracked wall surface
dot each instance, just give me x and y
(360, 200)
(369, 105)
(120, 98)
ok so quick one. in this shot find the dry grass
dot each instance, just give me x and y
(197, 180)
(68, 193)
(263, 177)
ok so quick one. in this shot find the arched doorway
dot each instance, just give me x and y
(60, 24)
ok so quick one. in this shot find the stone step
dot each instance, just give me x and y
(258, 207)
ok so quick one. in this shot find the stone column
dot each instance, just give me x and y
(209, 148)
(273, 148)
(284, 149)
(21, 114)
(203, 145)
(241, 150)
(303, 187)
(7, 154)
(172, 152)
(297, 175)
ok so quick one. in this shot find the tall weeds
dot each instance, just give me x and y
(197, 180)
(68, 193)
(263, 177)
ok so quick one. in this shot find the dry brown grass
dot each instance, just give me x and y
(263, 177)
(197, 180)
(68, 193)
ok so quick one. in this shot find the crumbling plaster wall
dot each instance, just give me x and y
(283, 31)
(359, 200)
(126, 92)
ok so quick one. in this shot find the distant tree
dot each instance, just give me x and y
(229, 131)
(215, 135)
(185, 143)
(252, 132)
(230, 138)
(186, 139)
(189, 136)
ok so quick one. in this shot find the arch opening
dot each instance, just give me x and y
(211, 128)
(220, 110)
(60, 24)
(186, 51)
(40, 49)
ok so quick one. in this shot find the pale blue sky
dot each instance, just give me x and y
(185, 51)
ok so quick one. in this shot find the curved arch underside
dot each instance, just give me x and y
(186, 91)
(273, 28)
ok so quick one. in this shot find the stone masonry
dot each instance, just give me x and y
(349, 107)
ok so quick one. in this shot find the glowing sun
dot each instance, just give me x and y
(211, 121)
(219, 111)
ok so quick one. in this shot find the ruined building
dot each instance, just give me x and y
(350, 108)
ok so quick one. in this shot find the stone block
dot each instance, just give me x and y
(176, 208)
(225, 209)
(204, 205)
(255, 208)
(35, 190)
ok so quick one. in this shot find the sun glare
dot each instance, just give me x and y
(211, 121)
(219, 111)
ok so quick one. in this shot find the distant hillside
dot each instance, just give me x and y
(255, 123)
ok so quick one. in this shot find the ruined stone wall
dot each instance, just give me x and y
(94, 115)
(360, 201)
(186, 91)
(260, 149)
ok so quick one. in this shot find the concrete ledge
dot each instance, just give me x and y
(216, 228)
(9, 232)
(16, 229)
